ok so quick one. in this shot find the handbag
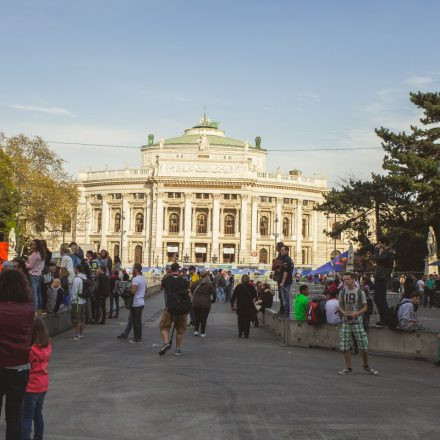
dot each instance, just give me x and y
(47, 278)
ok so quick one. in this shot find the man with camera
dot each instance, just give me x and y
(352, 305)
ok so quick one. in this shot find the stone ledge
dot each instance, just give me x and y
(299, 334)
(60, 322)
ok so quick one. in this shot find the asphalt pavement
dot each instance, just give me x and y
(229, 388)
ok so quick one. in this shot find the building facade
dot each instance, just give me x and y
(204, 198)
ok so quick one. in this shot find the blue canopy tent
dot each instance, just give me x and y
(335, 265)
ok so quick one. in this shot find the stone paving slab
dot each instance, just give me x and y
(229, 388)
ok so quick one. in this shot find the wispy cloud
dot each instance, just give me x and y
(307, 95)
(419, 81)
(48, 110)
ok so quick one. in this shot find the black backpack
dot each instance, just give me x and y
(178, 301)
(393, 320)
(87, 288)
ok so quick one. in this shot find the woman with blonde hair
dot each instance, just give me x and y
(244, 294)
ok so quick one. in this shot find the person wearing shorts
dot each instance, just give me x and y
(352, 305)
(173, 282)
(78, 303)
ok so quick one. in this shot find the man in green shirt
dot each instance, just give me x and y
(301, 303)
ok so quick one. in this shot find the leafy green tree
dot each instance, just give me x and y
(404, 202)
(45, 194)
(7, 196)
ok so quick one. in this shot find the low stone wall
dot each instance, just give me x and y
(300, 334)
(60, 322)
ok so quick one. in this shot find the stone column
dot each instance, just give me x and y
(315, 238)
(187, 226)
(254, 220)
(125, 224)
(159, 226)
(299, 231)
(215, 226)
(105, 223)
(243, 227)
(278, 226)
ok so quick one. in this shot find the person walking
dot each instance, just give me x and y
(384, 257)
(101, 293)
(178, 304)
(16, 319)
(352, 305)
(38, 382)
(244, 295)
(138, 289)
(204, 295)
(35, 266)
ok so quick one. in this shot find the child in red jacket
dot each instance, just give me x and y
(38, 382)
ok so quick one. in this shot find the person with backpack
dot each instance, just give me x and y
(38, 382)
(406, 315)
(301, 303)
(204, 295)
(115, 291)
(101, 293)
(276, 275)
(80, 290)
(352, 305)
(178, 304)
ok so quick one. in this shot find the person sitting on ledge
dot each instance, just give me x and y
(301, 303)
(406, 314)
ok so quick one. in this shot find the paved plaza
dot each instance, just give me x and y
(229, 388)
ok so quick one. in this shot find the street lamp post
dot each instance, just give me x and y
(122, 227)
(276, 233)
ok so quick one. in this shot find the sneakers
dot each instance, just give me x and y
(203, 335)
(371, 371)
(122, 336)
(346, 371)
(196, 333)
(135, 341)
(379, 324)
(178, 353)
(164, 349)
(75, 338)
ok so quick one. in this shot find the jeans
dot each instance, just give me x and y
(33, 412)
(136, 316)
(380, 298)
(201, 316)
(114, 299)
(285, 291)
(13, 385)
(280, 297)
(221, 294)
(36, 290)
(129, 326)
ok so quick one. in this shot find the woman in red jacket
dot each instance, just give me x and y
(16, 319)
(38, 382)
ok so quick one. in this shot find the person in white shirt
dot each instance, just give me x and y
(78, 303)
(138, 289)
(67, 263)
(332, 308)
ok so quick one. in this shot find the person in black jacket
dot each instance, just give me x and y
(384, 257)
(244, 295)
(101, 293)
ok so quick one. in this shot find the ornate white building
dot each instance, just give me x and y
(204, 198)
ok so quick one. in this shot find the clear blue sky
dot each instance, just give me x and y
(301, 74)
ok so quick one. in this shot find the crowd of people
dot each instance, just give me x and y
(40, 284)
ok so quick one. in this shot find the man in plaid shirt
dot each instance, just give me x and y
(352, 305)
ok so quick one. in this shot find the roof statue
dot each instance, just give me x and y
(431, 243)
(206, 122)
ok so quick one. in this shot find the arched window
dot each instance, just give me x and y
(264, 226)
(139, 223)
(173, 225)
(305, 226)
(202, 226)
(117, 227)
(286, 227)
(138, 254)
(99, 221)
(229, 224)
(263, 256)
(116, 251)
